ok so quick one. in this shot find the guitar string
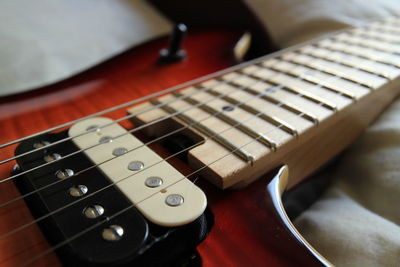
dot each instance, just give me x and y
(168, 90)
(68, 138)
(144, 98)
(205, 89)
(131, 103)
(81, 199)
(109, 218)
(130, 131)
(274, 129)
(299, 77)
(258, 96)
(260, 135)
(121, 119)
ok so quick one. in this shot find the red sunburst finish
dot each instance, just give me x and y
(245, 233)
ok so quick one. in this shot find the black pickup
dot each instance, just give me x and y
(80, 240)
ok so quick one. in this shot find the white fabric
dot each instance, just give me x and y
(45, 41)
(292, 21)
(356, 222)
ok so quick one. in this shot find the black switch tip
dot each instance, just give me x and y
(175, 52)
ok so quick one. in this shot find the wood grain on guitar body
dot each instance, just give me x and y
(298, 107)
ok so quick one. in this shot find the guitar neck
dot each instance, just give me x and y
(299, 107)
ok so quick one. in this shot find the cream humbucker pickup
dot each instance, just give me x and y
(161, 193)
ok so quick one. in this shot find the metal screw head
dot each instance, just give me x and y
(174, 200)
(52, 157)
(62, 174)
(227, 108)
(119, 151)
(135, 166)
(41, 144)
(93, 211)
(113, 233)
(153, 181)
(78, 190)
(93, 128)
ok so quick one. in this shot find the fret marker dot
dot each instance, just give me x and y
(227, 108)
(135, 166)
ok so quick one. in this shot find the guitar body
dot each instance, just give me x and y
(247, 231)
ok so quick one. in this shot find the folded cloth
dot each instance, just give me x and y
(46, 41)
(293, 21)
(357, 221)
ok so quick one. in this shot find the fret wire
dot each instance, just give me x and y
(273, 120)
(245, 129)
(341, 91)
(302, 93)
(366, 45)
(376, 36)
(346, 63)
(357, 51)
(288, 106)
(385, 28)
(363, 64)
(324, 71)
(208, 132)
(368, 42)
(317, 76)
(344, 75)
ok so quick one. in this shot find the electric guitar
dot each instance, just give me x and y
(114, 171)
